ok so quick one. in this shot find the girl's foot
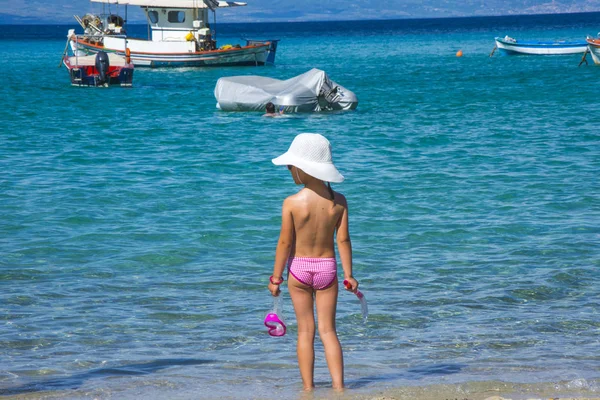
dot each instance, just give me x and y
(338, 387)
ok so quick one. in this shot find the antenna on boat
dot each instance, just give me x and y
(213, 5)
(215, 24)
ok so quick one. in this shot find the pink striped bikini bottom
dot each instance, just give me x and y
(318, 273)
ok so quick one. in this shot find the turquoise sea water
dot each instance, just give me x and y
(138, 226)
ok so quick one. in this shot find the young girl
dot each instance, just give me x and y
(310, 221)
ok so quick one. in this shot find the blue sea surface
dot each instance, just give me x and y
(138, 225)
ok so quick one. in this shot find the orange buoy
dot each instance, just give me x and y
(127, 55)
(459, 53)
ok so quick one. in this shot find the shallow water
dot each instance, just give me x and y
(138, 226)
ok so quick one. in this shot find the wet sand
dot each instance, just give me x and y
(492, 390)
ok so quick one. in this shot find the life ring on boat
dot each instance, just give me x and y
(127, 56)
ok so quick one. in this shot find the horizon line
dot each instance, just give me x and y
(140, 22)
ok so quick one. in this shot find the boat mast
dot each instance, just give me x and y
(215, 24)
(147, 20)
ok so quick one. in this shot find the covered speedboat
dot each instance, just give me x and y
(309, 92)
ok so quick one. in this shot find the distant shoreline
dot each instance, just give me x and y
(9, 19)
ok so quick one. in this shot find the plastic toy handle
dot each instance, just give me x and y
(277, 304)
(363, 301)
(349, 286)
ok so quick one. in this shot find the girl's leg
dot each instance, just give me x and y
(326, 310)
(302, 298)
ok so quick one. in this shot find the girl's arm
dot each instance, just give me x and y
(345, 247)
(284, 245)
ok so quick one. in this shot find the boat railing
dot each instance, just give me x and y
(77, 51)
(97, 38)
(254, 42)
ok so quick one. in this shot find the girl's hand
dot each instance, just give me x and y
(351, 284)
(274, 289)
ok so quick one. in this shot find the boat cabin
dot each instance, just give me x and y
(174, 20)
(176, 24)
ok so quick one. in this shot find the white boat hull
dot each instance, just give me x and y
(594, 50)
(549, 48)
(146, 53)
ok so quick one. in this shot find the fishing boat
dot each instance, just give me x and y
(101, 69)
(179, 35)
(512, 46)
(594, 49)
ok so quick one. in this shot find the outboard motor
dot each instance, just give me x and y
(335, 97)
(328, 95)
(102, 65)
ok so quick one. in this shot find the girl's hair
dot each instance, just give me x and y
(331, 191)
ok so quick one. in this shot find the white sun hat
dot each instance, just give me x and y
(311, 152)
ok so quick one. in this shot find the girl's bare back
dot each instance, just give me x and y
(315, 220)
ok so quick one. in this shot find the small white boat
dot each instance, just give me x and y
(99, 69)
(512, 46)
(180, 35)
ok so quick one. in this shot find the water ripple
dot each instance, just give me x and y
(138, 227)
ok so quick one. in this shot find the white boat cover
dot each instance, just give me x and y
(174, 3)
(309, 92)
